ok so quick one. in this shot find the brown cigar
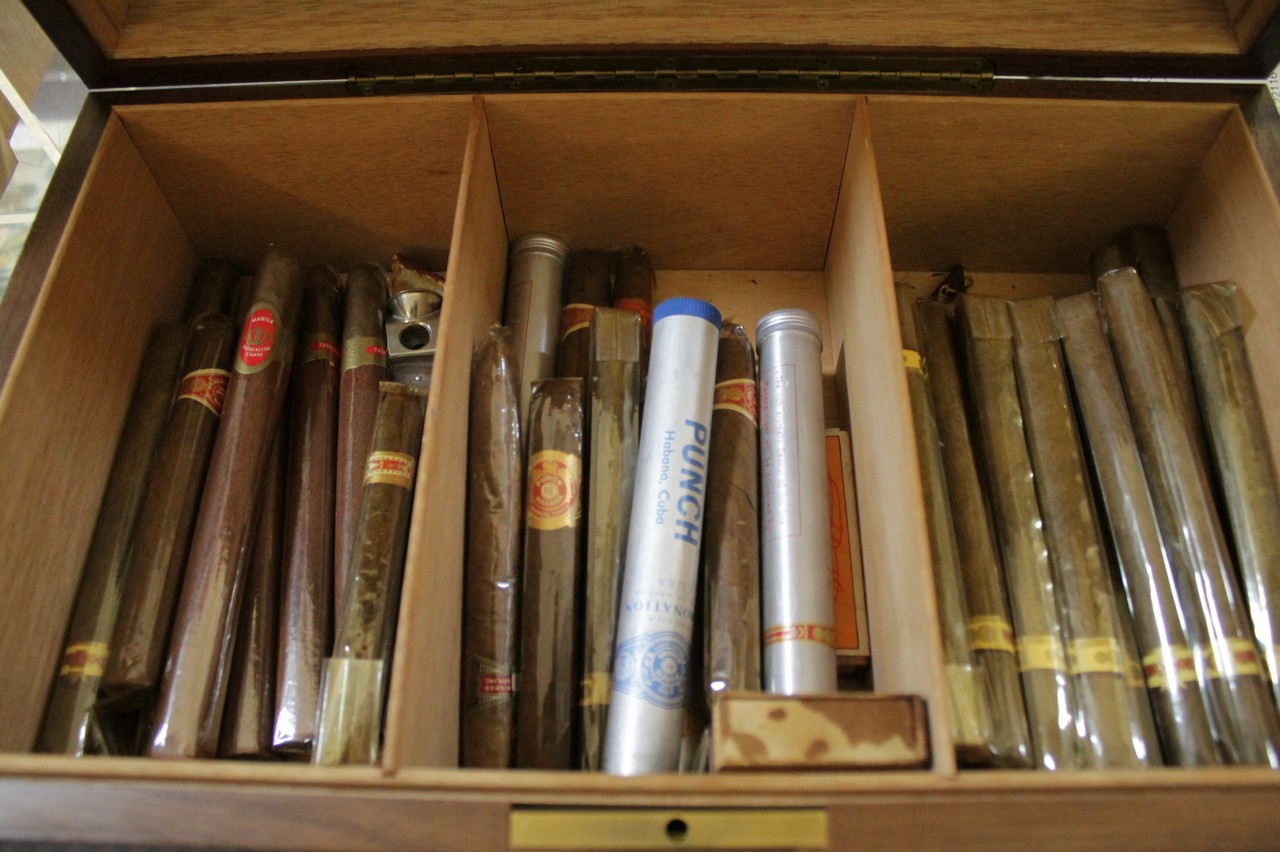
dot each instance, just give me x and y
(547, 700)
(66, 728)
(168, 515)
(364, 365)
(247, 721)
(213, 290)
(586, 288)
(307, 572)
(615, 433)
(495, 498)
(633, 291)
(192, 691)
(355, 677)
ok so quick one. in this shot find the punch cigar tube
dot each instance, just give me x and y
(1176, 693)
(1238, 435)
(614, 338)
(491, 603)
(586, 288)
(989, 627)
(249, 717)
(355, 677)
(535, 293)
(212, 291)
(68, 719)
(364, 366)
(659, 586)
(1241, 707)
(159, 553)
(795, 516)
(193, 689)
(307, 570)
(547, 700)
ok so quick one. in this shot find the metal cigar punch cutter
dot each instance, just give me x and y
(413, 322)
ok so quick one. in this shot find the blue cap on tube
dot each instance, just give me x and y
(682, 306)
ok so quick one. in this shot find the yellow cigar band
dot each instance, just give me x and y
(991, 633)
(1097, 655)
(595, 689)
(1041, 653)
(913, 360)
(84, 659)
(1241, 660)
(1170, 666)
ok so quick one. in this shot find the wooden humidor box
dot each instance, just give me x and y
(753, 200)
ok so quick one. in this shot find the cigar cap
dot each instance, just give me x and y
(540, 244)
(1109, 259)
(787, 319)
(683, 306)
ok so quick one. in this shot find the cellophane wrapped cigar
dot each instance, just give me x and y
(1168, 663)
(587, 287)
(970, 718)
(659, 584)
(1042, 658)
(1238, 435)
(633, 291)
(491, 608)
(1112, 733)
(990, 631)
(213, 290)
(193, 689)
(615, 434)
(355, 678)
(248, 720)
(159, 553)
(535, 293)
(1241, 707)
(68, 726)
(550, 636)
(308, 566)
(364, 366)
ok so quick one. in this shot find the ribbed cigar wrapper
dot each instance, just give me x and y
(797, 598)
(249, 716)
(550, 638)
(1110, 721)
(970, 719)
(1169, 671)
(193, 690)
(731, 549)
(491, 606)
(659, 585)
(213, 290)
(68, 719)
(364, 366)
(1238, 435)
(169, 514)
(1042, 657)
(990, 631)
(535, 293)
(1241, 707)
(615, 436)
(587, 287)
(354, 685)
(308, 565)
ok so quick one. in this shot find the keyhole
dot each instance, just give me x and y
(677, 830)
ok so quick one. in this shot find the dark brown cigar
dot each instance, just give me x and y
(192, 692)
(213, 290)
(586, 288)
(547, 700)
(307, 573)
(495, 498)
(169, 515)
(633, 291)
(66, 728)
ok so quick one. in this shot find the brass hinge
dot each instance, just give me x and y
(685, 73)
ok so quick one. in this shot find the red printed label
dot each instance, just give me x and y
(554, 481)
(737, 395)
(575, 317)
(320, 347)
(823, 634)
(207, 387)
(386, 468)
(363, 352)
(257, 340)
(494, 684)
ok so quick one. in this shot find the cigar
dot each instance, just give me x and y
(633, 291)
(355, 676)
(307, 571)
(495, 499)
(970, 718)
(67, 724)
(990, 631)
(213, 290)
(586, 288)
(364, 365)
(1042, 659)
(1242, 451)
(549, 638)
(614, 342)
(168, 516)
(248, 719)
(193, 689)
(1241, 707)
(1110, 720)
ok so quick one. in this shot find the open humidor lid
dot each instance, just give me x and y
(183, 42)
